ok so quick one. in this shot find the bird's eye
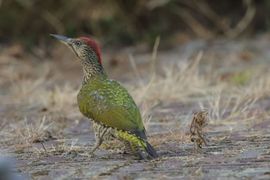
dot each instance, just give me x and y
(77, 43)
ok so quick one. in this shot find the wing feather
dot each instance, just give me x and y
(111, 105)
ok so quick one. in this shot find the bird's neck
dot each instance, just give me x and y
(92, 69)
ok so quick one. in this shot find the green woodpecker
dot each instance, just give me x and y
(107, 103)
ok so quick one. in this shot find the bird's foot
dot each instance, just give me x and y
(142, 155)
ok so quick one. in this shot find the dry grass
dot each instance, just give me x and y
(62, 148)
(235, 104)
(222, 106)
(146, 115)
(178, 82)
(26, 133)
(238, 104)
(34, 93)
(58, 98)
(259, 87)
(174, 85)
(227, 103)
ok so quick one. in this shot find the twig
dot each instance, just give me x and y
(193, 23)
(204, 9)
(244, 22)
(135, 69)
(43, 146)
(154, 57)
(209, 13)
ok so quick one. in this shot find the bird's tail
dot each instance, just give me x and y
(138, 144)
(150, 150)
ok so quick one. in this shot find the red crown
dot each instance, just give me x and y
(93, 44)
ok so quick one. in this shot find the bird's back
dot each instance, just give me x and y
(107, 102)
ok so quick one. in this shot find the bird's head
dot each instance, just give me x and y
(84, 48)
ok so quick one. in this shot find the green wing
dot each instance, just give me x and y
(109, 103)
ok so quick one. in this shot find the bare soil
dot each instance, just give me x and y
(43, 131)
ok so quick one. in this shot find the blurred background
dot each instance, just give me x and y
(175, 57)
(127, 23)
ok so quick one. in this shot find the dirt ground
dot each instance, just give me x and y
(43, 132)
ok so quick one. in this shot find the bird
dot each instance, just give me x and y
(106, 102)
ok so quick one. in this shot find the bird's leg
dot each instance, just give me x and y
(99, 139)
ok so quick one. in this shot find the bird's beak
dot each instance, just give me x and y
(62, 39)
